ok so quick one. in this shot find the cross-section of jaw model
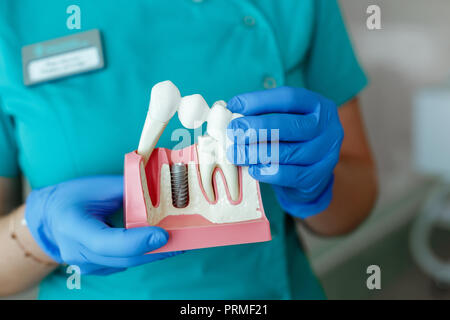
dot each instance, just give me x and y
(194, 186)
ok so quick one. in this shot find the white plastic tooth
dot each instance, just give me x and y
(218, 119)
(221, 103)
(211, 155)
(230, 172)
(164, 101)
(193, 111)
(207, 163)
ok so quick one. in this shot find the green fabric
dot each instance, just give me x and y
(83, 125)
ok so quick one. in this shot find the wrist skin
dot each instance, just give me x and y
(19, 272)
(26, 240)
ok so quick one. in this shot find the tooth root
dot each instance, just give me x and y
(211, 154)
(207, 163)
(206, 172)
(230, 172)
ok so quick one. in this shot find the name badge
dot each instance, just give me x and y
(62, 57)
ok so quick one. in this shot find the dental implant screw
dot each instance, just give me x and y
(180, 185)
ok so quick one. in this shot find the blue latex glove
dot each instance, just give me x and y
(69, 222)
(310, 138)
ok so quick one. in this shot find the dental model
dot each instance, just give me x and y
(200, 198)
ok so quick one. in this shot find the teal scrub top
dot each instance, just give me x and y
(83, 125)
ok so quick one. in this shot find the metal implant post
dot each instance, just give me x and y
(180, 185)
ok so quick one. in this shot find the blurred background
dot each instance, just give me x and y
(406, 108)
(408, 63)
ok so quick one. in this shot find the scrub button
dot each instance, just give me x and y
(269, 82)
(249, 21)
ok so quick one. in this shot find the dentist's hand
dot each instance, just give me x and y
(69, 222)
(310, 138)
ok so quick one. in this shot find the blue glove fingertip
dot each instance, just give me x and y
(264, 172)
(237, 131)
(235, 105)
(238, 123)
(158, 238)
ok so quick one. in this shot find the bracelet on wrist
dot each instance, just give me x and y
(14, 236)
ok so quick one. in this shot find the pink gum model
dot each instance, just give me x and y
(191, 231)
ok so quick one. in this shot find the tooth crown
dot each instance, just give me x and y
(218, 119)
(193, 117)
(164, 102)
